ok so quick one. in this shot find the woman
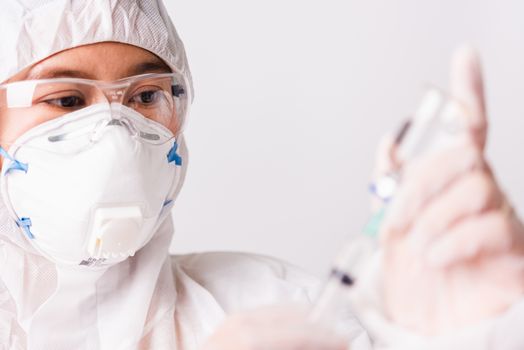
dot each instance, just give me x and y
(94, 100)
(95, 169)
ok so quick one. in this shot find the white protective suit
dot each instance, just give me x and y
(151, 300)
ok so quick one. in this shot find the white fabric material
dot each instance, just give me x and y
(213, 285)
(32, 30)
(192, 295)
(501, 333)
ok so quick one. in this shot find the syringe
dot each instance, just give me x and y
(437, 123)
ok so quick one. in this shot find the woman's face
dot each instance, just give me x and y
(102, 61)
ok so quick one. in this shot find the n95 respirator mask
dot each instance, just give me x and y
(91, 188)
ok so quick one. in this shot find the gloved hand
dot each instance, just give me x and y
(453, 247)
(275, 328)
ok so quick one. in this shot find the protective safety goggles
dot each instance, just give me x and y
(162, 98)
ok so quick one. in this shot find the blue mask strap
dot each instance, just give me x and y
(25, 224)
(14, 164)
(173, 156)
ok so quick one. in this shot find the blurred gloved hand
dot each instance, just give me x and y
(275, 328)
(453, 247)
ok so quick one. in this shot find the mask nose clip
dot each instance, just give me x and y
(116, 120)
(125, 123)
(113, 122)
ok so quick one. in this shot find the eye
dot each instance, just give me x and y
(148, 97)
(71, 102)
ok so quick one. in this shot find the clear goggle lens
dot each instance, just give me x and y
(162, 98)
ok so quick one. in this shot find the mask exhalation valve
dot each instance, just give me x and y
(115, 232)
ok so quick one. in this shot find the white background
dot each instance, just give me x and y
(292, 97)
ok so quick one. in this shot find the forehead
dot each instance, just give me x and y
(106, 61)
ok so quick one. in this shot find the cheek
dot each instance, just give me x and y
(176, 124)
(13, 123)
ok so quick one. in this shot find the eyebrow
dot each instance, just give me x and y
(150, 67)
(57, 73)
(141, 68)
